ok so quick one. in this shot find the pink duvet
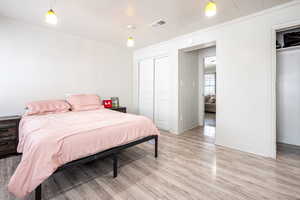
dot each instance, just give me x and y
(49, 141)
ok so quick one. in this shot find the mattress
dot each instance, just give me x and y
(50, 141)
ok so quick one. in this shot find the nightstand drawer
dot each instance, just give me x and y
(119, 109)
(8, 146)
(7, 124)
(8, 133)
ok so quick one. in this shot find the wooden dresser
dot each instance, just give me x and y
(9, 132)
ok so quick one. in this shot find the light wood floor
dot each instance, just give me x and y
(189, 167)
(210, 119)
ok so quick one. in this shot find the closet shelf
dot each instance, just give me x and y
(288, 48)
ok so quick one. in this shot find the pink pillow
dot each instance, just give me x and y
(83, 102)
(47, 106)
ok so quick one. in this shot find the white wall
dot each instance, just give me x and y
(288, 97)
(210, 70)
(245, 96)
(188, 90)
(38, 63)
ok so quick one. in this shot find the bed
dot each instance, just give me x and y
(53, 142)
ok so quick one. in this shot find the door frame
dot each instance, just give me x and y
(192, 47)
(273, 69)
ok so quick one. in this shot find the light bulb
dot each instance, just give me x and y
(130, 42)
(51, 17)
(210, 9)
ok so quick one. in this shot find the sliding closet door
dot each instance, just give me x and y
(146, 88)
(162, 92)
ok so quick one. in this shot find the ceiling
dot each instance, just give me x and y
(107, 20)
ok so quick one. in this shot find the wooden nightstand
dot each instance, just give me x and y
(9, 135)
(120, 109)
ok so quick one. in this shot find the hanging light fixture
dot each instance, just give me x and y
(210, 9)
(130, 40)
(51, 17)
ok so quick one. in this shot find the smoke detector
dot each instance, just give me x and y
(158, 23)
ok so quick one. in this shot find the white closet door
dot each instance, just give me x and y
(146, 88)
(162, 92)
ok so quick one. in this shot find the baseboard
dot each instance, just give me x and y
(293, 146)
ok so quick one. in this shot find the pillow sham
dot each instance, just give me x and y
(82, 102)
(47, 107)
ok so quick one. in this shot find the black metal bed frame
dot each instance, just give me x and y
(110, 152)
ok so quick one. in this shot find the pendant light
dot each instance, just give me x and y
(51, 17)
(210, 9)
(130, 40)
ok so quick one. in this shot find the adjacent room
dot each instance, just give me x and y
(197, 91)
(154, 100)
(209, 87)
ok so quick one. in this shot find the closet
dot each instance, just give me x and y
(154, 90)
(288, 87)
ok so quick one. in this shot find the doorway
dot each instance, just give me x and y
(288, 93)
(198, 89)
(209, 76)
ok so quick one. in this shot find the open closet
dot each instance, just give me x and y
(154, 90)
(288, 88)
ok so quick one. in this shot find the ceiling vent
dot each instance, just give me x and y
(158, 23)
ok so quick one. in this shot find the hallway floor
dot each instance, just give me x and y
(210, 119)
(209, 128)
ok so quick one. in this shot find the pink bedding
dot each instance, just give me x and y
(49, 141)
